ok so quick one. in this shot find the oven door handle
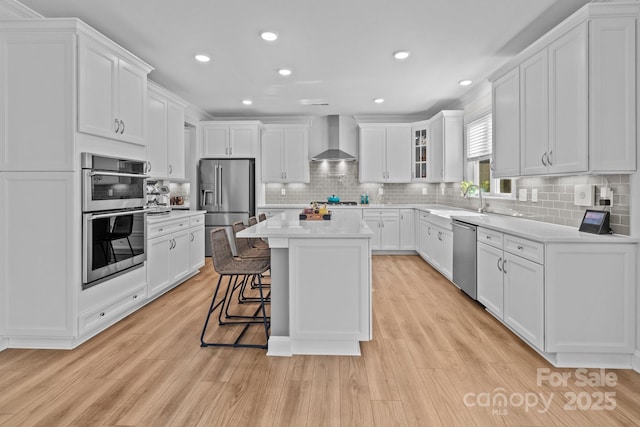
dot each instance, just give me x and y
(114, 214)
(123, 174)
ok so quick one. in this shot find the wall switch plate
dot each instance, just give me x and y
(424, 191)
(380, 191)
(522, 194)
(283, 192)
(534, 194)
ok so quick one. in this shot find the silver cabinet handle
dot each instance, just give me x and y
(170, 169)
(549, 158)
(499, 263)
(192, 237)
(440, 235)
(504, 266)
(543, 159)
(117, 126)
(226, 151)
(148, 166)
(230, 151)
(488, 237)
(429, 231)
(122, 130)
(492, 165)
(520, 247)
(135, 296)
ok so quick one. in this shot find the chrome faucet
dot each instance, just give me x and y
(481, 208)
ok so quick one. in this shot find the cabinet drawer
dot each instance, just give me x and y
(380, 213)
(490, 237)
(196, 220)
(528, 249)
(165, 227)
(96, 318)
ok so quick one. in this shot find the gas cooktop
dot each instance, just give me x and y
(337, 203)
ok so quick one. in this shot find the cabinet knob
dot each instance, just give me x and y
(102, 314)
(135, 297)
(488, 237)
(520, 247)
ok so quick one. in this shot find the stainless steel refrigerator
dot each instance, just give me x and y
(227, 192)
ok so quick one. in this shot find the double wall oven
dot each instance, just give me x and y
(113, 217)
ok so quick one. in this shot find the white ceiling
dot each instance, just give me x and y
(340, 51)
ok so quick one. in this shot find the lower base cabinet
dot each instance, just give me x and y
(435, 245)
(175, 250)
(511, 286)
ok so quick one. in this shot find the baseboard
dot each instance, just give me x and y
(326, 347)
(635, 361)
(4, 344)
(279, 346)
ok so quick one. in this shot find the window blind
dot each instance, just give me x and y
(479, 137)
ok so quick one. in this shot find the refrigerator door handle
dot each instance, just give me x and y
(220, 186)
(216, 186)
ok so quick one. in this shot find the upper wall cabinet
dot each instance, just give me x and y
(112, 94)
(576, 92)
(43, 79)
(445, 158)
(506, 131)
(165, 134)
(420, 150)
(385, 153)
(230, 139)
(285, 153)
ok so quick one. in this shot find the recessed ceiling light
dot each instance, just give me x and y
(465, 82)
(401, 54)
(284, 72)
(378, 100)
(201, 57)
(247, 101)
(269, 36)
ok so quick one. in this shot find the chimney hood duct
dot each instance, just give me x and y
(333, 153)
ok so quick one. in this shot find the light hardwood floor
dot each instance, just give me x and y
(433, 350)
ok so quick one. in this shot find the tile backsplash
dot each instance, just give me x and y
(554, 205)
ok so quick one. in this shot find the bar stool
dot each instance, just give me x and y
(226, 265)
(245, 251)
(256, 243)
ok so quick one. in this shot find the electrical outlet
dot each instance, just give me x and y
(534, 194)
(380, 191)
(283, 192)
(442, 190)
(424, 191)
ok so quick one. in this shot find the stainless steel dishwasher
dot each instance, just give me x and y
(464, 257)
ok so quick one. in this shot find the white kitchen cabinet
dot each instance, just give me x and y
(420, 150)
(612, 94)
(424, 237)
(435, 243)
(196, 247)
(490, 288)
(445, 159)
(407, 230)
(442, 250)
(590, 296)
(385, 153)
(236, 139)
(577, 97)
(553, 95)
(385, 224)
(173, 249)
(285, 154)
(28, 58)
(505, 155)
(112, 93)
(510, 282)
(166, 146)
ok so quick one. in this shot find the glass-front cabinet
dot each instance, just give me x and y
(420, 136)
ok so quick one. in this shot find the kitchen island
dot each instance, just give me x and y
(320, 283)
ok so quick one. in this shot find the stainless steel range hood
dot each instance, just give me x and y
(333, 153)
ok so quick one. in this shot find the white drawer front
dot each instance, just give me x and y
(194, 221)
(162, 228)
(96, 318)
(380, 213)
(490, 237)
(528, 249)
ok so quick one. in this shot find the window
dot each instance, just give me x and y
(479, 140)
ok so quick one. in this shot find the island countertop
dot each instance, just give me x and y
(289, 225)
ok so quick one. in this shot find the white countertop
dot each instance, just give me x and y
(288, 225)
(538, 231)
(174, 214)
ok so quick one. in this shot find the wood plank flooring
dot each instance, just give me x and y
(437, 359)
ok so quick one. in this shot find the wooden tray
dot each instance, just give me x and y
(315, 217)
